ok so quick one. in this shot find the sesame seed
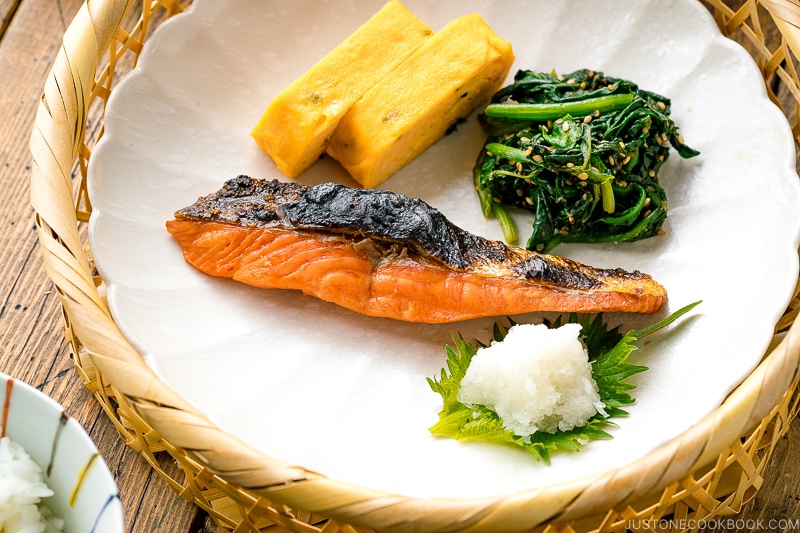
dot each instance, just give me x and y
(611, 87)
(520, 192)
(680, 139)
(519, 166)
(537, 158)
(611, 160)
(570, 164)
(565, 126)
(528, 151)
(662, 106)
(596, 113)
(587, 119)
(651, 173)
(583, 85)
(647, 201)
(583, 176)
(571, 81)
(529, 200)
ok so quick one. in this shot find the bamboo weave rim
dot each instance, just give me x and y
(708, 472)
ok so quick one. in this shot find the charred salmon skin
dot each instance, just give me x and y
(383, 254)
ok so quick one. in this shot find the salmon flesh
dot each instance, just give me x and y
(383, 254)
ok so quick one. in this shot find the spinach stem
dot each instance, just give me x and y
(612, 102)
(607, 194)
(508, 152)
(629, 215)
(507, 223)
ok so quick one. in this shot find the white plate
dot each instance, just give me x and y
(346, 395)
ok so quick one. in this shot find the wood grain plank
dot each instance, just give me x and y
(7, 10)
(33, 347)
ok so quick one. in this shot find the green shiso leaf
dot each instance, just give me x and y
(608, 352)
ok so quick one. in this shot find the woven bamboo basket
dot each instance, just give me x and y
(706, 473)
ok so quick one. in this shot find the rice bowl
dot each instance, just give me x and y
(84, 493)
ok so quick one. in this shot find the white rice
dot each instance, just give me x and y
(22, 489)
(536, 379)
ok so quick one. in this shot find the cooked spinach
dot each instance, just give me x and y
(581, 151)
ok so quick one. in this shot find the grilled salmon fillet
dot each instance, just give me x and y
(383, 254)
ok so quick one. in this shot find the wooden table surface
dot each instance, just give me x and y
(31, 333)
(32, 347)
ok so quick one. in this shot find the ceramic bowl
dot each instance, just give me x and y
(85, 493)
